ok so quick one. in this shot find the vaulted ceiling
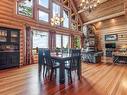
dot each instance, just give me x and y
(105, 8)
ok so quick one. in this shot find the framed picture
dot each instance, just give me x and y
(111, 37)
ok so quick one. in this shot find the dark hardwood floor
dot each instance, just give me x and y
(97, 79)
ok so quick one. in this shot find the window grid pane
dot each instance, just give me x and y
(25, 8)
(56, 9)
(58, 41)
(43, 16)
(40, 39)
(66, 19)
(65, 41)
(44, 3)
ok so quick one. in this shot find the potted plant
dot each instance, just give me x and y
(57, 50)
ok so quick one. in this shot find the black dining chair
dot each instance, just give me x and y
(50, 64)
(74, 64)
(41, 62)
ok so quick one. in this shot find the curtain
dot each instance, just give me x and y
(29, 57)
(52, 40)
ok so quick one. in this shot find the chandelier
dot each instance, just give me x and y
(88, 5)
(56, 20)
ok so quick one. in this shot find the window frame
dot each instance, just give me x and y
(66, 9)
(45, 31)
(58, 5)
(44, 6)
(68, 40)
(17, 10)
(61, 8)
(43, 21)
(62, 39)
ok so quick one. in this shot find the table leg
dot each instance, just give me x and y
(62, 72)
(79, 70)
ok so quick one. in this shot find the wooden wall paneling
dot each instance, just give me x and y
(125, 5)
(22, 47)
(121, 20)
(120, 30)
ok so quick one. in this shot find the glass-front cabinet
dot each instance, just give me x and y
(9, 48)
(14, 36)
(3, 35)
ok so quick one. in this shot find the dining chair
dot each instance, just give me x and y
(74, 64)
(50, 64)
(41, 62)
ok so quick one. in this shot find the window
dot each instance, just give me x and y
(58, 40)
(40, 39)
(56, 9)
(77, 42)
(43, 16)
(66, 18)
(44, 3)
(62, 41)
(25, 7)
(65, 41)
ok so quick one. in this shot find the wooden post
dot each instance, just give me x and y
(29, 57)
(52, 40)
(72, 41)
(82, 41)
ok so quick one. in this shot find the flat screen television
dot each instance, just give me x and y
(111, 37)
(110, 45)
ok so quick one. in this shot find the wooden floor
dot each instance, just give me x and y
(97, 79)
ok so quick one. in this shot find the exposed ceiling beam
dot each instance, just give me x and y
(74, 6)
(80, 11)
(106, 17)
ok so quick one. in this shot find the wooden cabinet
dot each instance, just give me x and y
(9, 59)
(9, 48)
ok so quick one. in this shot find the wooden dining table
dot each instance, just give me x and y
(62, 58)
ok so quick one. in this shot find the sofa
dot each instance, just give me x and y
(92, 57)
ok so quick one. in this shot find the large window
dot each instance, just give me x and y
(25, 7)
(43, 16)
(40, 39)
(62, 41)
(58, 41)
(56, 9)
(66, 18)
(44, 3)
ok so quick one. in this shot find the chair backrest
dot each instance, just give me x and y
(76, 58)
(65, 50)
(75, 52)
(47, 57)
(40, 56)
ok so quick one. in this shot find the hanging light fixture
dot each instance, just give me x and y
(88, 5)
(56, 20)
(23, 0)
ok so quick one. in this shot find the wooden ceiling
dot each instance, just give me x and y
(107, 7)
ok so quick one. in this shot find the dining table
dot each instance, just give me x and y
(62, 59)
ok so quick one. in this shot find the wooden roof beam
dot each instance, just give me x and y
(106, 17)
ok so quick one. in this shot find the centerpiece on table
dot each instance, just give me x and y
(57, 50)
